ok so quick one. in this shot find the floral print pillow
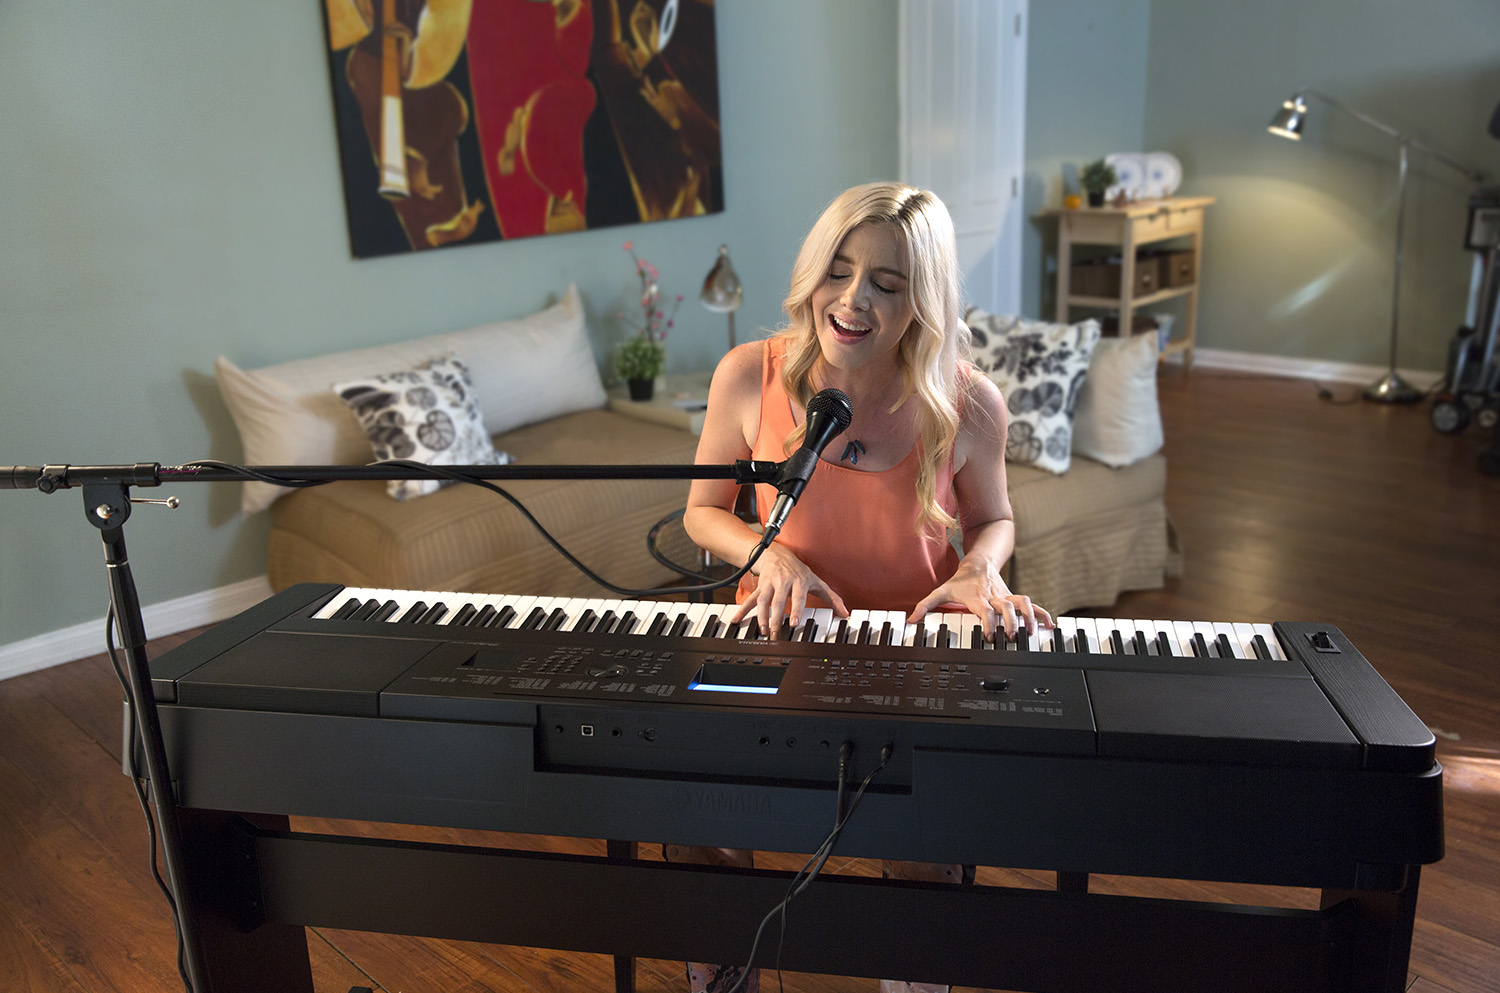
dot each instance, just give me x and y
(1039, 368)
(428, 414)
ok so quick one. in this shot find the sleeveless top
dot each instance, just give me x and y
(855, 529)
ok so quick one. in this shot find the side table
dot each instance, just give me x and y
(679, 401)
(1130, 227)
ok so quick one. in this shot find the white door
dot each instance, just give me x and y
(963, 128)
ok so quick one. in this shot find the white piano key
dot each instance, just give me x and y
(1184, 631)
(1236, 648)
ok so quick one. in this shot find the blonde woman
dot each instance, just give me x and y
(874, 310)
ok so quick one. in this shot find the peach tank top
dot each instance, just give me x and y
(853, 528)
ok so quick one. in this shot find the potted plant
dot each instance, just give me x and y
(642, 358)
(639, 361)
(1095, 178)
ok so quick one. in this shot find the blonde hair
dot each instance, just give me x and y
(934, 345)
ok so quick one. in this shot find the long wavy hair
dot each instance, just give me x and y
(935, 345)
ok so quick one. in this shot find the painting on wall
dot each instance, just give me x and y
(466, 121)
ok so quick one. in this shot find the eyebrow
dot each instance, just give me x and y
(890, 272)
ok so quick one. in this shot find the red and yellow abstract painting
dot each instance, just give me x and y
(466, 121)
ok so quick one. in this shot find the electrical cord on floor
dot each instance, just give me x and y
(810, 869)
(140, 794)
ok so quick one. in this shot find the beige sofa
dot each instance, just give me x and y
(1083, 536)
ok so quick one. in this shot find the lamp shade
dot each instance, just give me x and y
(722, 292)
(1288, 120)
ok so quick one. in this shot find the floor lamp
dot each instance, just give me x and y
(1390, 388)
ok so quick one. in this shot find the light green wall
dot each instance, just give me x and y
(1298, 252)
(169, 192)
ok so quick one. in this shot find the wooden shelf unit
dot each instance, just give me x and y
(1130, 227)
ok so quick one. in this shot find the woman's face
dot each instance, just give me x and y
(863, 306)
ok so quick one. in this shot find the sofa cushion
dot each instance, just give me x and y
(1039, 368)
(1118, 420)
(524, 371)
(427, 414)
(466, 538)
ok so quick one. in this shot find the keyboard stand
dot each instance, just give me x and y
(260, 884)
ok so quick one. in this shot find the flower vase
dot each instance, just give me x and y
(641, 389)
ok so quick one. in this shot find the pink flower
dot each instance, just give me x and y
(629, 245)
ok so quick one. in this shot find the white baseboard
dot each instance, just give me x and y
(170, 617)
(1294, 368)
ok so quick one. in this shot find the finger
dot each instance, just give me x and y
(1026, 613)
(770, 617)
(836, 602)
(1007, 612)
(1044, 616)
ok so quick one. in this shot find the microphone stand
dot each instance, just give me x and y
(107, 502)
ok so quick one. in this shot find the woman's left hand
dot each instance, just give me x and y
(984, 594)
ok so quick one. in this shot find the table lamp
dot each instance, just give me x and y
(722, 292)
(1287, 123)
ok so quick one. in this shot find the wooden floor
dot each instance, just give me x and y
(1289, 506)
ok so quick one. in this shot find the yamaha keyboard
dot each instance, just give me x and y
(1235, 752)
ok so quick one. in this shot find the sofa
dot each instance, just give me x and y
(532, 391)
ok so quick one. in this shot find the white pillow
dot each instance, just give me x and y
(1118, 421)
(526, 370)
(1039, 368)
(428, 414)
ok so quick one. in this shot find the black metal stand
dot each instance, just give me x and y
(107, 503)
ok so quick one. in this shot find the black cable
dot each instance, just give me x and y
(140, 794)
(251, 473)
(812, 866)
(447, 473)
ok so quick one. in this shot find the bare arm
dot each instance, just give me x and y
(730, 425)
(988, 522)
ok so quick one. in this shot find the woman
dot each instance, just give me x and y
(876, 311)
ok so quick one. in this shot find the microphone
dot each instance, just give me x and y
(828, 413)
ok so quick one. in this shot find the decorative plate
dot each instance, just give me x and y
(1163, 174)
(1130, 174)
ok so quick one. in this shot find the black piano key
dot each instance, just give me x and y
(942, 636)
(1080, 642)
(809, 626)
(555, 620)
(413, 613)
(843, 630)
(586, 621)
(752, 628)
(533, 620)
(1226, 650)
(1117, 642)
(1059, 643)
(919, 635)
(627, 624)
(366, 610)
(885, 634)
(607, 623)
(658, 624)
(712, 627)
(347, 610)
(485, 617)
(1200, 647)
(976, 636)
(1023, 639)
(1163, 644)
(1262, 650)
(433, 614)
(386, 610)
(863, 638)
(505, 618)
(680, 626)
(465, 614)
(1139, 644)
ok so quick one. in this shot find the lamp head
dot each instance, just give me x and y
(1288, 120)
(722, 292)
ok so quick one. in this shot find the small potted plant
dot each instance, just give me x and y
(644, 356)
(639, 361)
(1095, 178)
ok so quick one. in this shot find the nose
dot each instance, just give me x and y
(856, 294)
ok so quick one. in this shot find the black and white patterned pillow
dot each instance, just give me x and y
(1039, 368)
(428, 414)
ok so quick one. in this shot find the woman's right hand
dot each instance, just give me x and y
(783, 584)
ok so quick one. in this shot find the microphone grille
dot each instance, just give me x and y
(834, 403)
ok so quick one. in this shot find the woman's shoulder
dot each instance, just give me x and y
(981, 405)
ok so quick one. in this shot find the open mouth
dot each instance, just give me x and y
(844, 331)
